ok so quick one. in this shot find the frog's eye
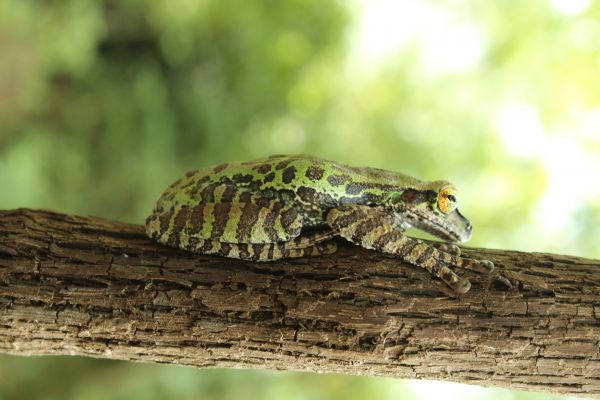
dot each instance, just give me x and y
(447, 200)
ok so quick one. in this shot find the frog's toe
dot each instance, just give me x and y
(456, 282)
(461, 286)
(487, 265)
(503, 281)
(454, 249)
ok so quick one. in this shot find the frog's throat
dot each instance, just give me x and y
(452, 228)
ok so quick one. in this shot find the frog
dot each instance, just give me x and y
(288, 206)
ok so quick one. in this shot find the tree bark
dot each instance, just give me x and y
(88, 286)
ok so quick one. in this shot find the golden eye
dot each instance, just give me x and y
(447, 200)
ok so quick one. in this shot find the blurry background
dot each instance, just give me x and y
(104, 103)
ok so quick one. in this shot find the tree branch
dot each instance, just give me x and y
(89, 286)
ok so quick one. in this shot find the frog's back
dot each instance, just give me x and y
(305, 179)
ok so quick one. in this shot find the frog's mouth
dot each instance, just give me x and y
(453, 227)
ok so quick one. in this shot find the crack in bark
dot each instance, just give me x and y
(89, 286)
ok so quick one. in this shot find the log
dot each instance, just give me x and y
(93, 287)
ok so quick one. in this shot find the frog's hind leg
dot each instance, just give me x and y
(257, 221)
(255, 229)
(312, 244)
(309, 244)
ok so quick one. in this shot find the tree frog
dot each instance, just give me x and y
(287, 206)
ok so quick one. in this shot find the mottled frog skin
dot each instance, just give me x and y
(292, 206)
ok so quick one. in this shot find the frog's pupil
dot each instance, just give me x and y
(452, 198)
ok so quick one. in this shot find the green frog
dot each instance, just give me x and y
(288, 206)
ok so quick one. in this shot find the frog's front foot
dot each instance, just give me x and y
(459, 284)
(485, 267)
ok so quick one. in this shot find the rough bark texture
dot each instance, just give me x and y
(89, 286)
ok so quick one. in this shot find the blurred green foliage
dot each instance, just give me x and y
(59, 378)
(103, 103)
(109, 101)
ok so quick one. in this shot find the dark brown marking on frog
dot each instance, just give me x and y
(364, 227)
(269, 222)
(220, 168)
(196, 219)
(193, 244)
(248, 219)
(282, 164)
(221, 213)
(256, 250)
(207, 195)
(407, 248)
(270, 252)
(245, 197)
(388, 237)
(425, 255)
(315, 173)
(242, 178)
(312, 197)
(165, 220)
(290, 220)
(264, 168)
(412, 196)
(353, 188)
(181, 219)
(337, 180)
(228, 194)
(288, 175)
(225, 248)
(269, 177)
